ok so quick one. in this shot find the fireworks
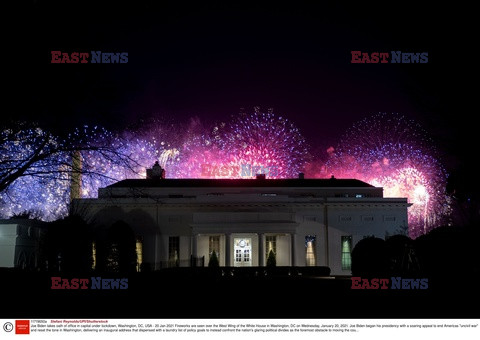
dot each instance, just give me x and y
(43, 192)
(247, 145)
(263, 141)
(389, 151)
(385, 150)
(44, 189)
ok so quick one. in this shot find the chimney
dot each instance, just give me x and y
(156, 172)
(301, 175)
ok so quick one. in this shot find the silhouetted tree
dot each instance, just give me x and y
(449, 250)
(271, 259)
(116, 249)
(213, 262)
(370, 258)
(402, 257)
(27, 214)
(68, 245)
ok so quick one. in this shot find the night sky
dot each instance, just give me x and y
(209, 60)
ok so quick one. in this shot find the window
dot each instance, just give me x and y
(310, 258)
(94, 255)
(367, 218)
(173, 250)
(214, 244)
(238, 255)
(246, 255)
(139, 251)
(346, 252)
(270, 244)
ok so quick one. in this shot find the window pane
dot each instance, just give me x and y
(214, 244)
(270, 244)
(173, 248)
(310, 253)
(346, 252)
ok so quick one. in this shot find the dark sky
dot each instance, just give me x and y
(208, 60)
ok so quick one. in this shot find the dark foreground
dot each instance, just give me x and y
(199, 293)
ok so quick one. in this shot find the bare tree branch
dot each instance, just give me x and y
(27, 150)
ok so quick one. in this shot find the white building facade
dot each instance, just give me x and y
(304, 222)
(20, 243)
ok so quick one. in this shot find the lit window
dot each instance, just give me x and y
(246, 255)
(214, 245)
(310, 258)
(271, 244)
(173, 250)
(139, 251)
(94, 255)
(346, 252)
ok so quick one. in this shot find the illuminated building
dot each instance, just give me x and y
(305, 222)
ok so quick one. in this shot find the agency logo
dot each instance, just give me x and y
(8, 327)
(392, 57)
(244, 170)
(88, 283)
(92, 57)
(22, 326)
(392, 283)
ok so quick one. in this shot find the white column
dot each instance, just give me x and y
(228, 241)
(194, 245)
(292, 250)
(158, 251)
(261, 251)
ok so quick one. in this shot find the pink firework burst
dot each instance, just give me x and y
(393, 152)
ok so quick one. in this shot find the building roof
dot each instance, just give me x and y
(233, 183)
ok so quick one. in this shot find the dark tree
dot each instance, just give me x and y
(68, 245)
(449, 251)
(213, 262)
(403, 259)
(271, 259)
(116, 249)
(370, 258)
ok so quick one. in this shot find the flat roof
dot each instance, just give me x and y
(234, 183)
